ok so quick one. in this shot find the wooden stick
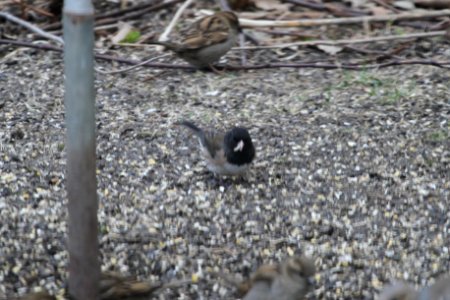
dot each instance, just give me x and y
(35, 9)
(349, 41)
(387, 6)
(132, 67)
(329, 7)
(164, 36)
(32, 27)
(336, 21)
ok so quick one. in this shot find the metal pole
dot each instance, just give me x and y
(84, 269)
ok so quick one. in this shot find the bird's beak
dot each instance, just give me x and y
(239, 146)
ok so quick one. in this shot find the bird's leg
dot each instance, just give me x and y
(215, 70)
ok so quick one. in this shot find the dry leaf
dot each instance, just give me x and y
(404, 4)
(379, 11)
(357, 3)
(329, 49)
(272, 5)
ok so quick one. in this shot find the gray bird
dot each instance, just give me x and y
(228, 153)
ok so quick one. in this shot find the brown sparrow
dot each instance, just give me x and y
(207, 40)
(228, 153)
(290, 280)
(115, 286)
(43, 295)
(402, 291)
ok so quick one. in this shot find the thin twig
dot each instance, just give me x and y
(386, 5)
(35, 9)
(120, 11)
(350, 41)
(132, 67)
(296, 33)
(335, 21)
(329, 7)
(241, 44)
(120, 17)
(137, 14)
(349, 66)
(356, 67)
(37, 45)
(371, 52)
(164, 36)
(31, 27)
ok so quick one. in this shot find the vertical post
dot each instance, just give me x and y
(84, 269)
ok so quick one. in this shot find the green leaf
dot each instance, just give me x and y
(132, 37)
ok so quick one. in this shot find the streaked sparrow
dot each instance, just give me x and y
(207, 40)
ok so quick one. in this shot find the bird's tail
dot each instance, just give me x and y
(204, 138)
(196, 130)
(168, 45)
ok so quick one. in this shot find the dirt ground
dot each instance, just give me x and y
(352, 169)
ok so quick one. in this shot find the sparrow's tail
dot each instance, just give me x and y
(168, 45)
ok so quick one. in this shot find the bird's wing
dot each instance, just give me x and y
(201, 39)
(213, 142)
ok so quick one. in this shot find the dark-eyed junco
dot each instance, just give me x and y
(207, 39)
(289, 280)
(402, 291)
(227, 153)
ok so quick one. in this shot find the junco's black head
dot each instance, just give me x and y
(238, 146)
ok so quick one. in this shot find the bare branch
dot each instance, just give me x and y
(31, 27)
(164, 36)
(347, 66)
(132, 67)
(337, 21)
(350, 41)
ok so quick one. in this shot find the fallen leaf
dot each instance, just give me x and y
(329, 49)
(379, 11)
(272, 5)
(407, 5)
(357, 3)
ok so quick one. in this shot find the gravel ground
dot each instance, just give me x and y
(352, 168)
